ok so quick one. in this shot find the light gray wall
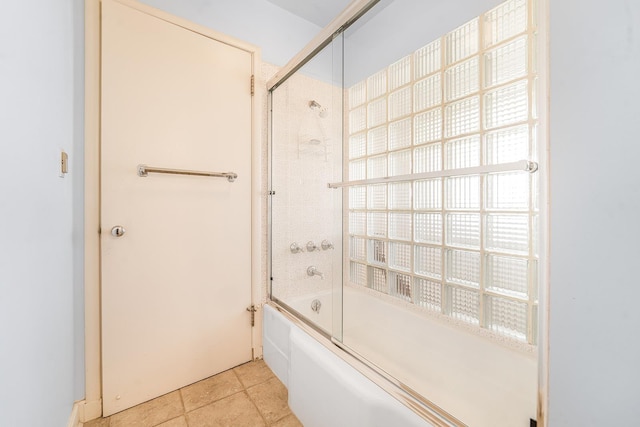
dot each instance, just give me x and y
(595, 213)
(38, 295)
(279, 33)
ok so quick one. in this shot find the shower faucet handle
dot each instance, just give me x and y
(312, 270)
(295, 248)
(311, 246)
(326, 245)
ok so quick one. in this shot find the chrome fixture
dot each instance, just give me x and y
(144, 170)
(322, 111)
(311, 246)
(296, 248)
(313, 271)
(326, 245)
(118, 231)
(315, 305)
(519, 166)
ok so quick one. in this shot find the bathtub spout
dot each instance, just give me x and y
(313, 271)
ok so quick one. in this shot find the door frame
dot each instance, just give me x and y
(92, 405)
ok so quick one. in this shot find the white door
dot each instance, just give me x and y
(177, 283)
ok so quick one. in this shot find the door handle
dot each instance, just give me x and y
(118, 231)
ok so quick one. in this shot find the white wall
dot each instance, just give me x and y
(595, 213)
(279, 33)
(37, 308)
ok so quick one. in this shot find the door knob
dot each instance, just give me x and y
(118, 231)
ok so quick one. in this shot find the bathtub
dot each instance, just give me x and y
(482, 383)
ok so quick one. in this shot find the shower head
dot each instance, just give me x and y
(322, 111)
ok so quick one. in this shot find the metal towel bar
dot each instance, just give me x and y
(144, 170)
(522, 165)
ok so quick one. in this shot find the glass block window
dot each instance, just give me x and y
(461, 245)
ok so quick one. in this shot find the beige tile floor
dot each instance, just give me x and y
(248, 395)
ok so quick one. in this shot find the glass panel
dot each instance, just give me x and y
(377, 196)
(358, 120)
(357, 170)
(377, 224)
(506, 145)
(400, 256)
(462, 79)
(463, 304)
(427, 127)
(506, 317)
(377, 85)
(357, 145)
(308, 112)
(428, 228)
(507, 275)
(400, 226)
(426, 60)
(400, 73)
(400, 103)
(462, 117)
(463, 192)
(463, 267)
(400, 134)
(427, 158)
(507, 233)
(506, 105)
(400, 163)
(400, 195)
(377, 112)
(357, 197)
(357, 95)
(357, 248)
(507, 191)
(427, 294)
(462, 42)
(427, 93)
(427, 194)
(507, 62)
(377, 278)
(506, 20)
(357, 223)
(377, 140)
(377, 252)
(358, 273)
(427, 260)
(463, 152)
(400, 285)
(377, 167)
(463, 230)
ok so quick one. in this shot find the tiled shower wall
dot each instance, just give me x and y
(307, 154)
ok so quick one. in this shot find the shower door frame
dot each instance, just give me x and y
(416, 402)
(91, 406)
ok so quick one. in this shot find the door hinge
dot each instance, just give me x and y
(253, 84)
(252, 309)
(272, 193)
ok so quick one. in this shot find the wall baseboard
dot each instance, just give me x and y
(84, 411)
(74, 418)
(91, 410)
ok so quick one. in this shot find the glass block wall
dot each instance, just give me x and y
(464, 246)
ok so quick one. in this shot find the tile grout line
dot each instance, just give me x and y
(244, 389)
(256, 406)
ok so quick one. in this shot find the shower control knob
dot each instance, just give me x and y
(311, 246)
(118, 231)
(326, 245)
(295, 248)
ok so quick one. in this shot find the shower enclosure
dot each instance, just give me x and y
(405, 202)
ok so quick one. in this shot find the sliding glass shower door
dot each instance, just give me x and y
(306, 215)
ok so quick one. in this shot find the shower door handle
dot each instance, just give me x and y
(118, 231)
